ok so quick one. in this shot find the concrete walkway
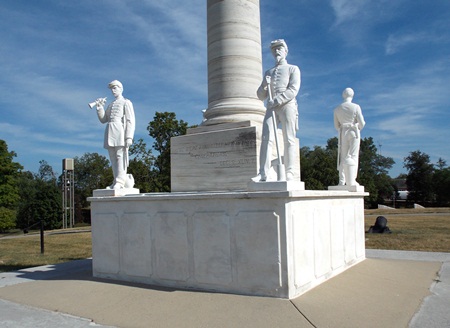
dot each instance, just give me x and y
(388, 289)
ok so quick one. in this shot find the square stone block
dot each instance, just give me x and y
(266, 243)
(216, 160)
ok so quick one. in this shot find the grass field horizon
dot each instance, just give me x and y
(412, 230)
(426, 229)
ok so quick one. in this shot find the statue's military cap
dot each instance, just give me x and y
(114, 83)
(277, 43)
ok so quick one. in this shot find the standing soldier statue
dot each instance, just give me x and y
(119, 132)
(348, 120)
(280, 85)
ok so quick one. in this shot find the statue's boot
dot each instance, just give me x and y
(351, 172)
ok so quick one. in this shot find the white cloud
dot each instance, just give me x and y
(403, 126)
(396, 42)
(346, 10)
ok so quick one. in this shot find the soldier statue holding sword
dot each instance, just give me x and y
(280, 86)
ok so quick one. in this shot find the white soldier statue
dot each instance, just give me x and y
(119, 132)
(280, 86)
(349, 121)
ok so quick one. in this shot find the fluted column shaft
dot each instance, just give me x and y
(234, 61)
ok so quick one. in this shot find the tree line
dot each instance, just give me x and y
(26, 197)
(428, 184)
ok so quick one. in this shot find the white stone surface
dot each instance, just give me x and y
(384, 207)
(276, 185)
(270, 243)
(354, 188)
(234, 62)
(115, 192)
(217, 160)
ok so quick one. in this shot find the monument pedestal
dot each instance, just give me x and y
(267, 243)
(218, 158)
(223, 157)
(115, 192)
(357, 188)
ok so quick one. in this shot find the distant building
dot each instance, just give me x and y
(402, 190)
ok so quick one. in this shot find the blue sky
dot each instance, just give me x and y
(56, 56)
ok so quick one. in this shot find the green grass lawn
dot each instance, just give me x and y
(25, 251)
(412, 229)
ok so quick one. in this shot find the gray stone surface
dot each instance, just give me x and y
(14, 315)
(214, 160)
(403, 286)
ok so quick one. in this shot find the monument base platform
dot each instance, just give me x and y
(275, 185)
(267, 243)
(221, 157)
(357, 188)
(115, 192)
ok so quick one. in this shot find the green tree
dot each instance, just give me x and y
(318, 166)
(91, 171)
(163, 127)
(420, 177)
(28, 191)
(319, 169)
(441, 163)
(9, 191)
(373, 173)
(441, 183)
(40, 199)
(140, 166)
(45, 172)
(7, 219)
(48, 204)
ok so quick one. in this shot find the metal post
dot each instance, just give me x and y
(72, 198)
(42, 237)
(64, 200)
(68, 193)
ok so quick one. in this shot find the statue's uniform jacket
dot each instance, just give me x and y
(348, 120)
(120, 120)
(346, 114)
(285, 84)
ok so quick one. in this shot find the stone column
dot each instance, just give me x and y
(234, 62)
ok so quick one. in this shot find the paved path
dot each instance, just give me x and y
(389, 289)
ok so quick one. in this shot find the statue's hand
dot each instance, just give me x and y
(100, 102)
(270, 104)
(128, 143)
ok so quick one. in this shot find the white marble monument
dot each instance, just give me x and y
(217, 230)
(225, 148)
(276, 244)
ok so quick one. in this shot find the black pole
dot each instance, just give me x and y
(42, 237)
